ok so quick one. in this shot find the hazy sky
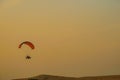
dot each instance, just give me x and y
(72, 37)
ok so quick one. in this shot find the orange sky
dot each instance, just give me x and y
(72, 38)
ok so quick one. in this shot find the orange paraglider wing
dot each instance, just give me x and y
(27, 43)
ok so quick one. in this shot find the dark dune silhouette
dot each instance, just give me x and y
(50, 77)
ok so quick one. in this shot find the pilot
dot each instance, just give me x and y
(28, 57)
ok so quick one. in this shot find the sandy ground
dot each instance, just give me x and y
(49, 77)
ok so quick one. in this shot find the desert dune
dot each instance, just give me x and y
(50, 77)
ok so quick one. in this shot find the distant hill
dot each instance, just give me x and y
(50, 77)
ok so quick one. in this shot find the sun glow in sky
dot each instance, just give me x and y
(72, 37)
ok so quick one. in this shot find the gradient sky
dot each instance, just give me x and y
(72, 37)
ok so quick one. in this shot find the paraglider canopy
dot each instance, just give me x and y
(27, 43)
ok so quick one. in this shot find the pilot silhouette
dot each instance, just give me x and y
(28, 57)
